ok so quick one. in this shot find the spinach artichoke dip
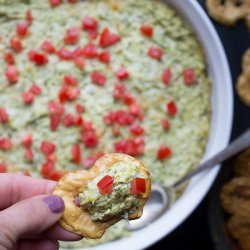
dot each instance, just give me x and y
(79, 79)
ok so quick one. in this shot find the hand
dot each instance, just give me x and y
(28, 214)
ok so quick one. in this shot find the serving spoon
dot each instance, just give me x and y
(161, 198)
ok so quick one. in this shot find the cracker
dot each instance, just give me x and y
(74, 218)
(242, 164)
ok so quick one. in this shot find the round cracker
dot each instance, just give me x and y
(243, 88)
(74, 218)
(242, 164)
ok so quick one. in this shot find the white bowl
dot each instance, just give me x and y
(222, 112)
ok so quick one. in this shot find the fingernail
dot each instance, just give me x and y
(54, 203)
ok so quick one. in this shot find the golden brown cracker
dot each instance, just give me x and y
(242, 164)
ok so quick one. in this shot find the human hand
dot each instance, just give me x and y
(29, 213)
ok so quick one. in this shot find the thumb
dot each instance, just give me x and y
(32, 215)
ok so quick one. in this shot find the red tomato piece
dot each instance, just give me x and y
(89, 161)
(38, 58)
(76, 153)
(78, 120)
(73, 93)
(55, 121)
(164, 152)
(135, 109)
(29, 17)
(27, 141)
(9, 58)
(56, 108)
(119, 91)
(3, 167)
(72, 36)
(47, 168)
(79, 62)
(138, 186)
(5, 144)
(105, 185)
(147, 30)
(122, 73)
(124, 118)
(65, 54)
(90, 139)
(108, 38)
(56, 175)
(110, 118)
(128, 99)
(35, 89)
(4, 118)
(47, 147)
(22, 28)
(16, 44)
(172, 108)
(93, 34)
(104, 57)
(12, 74)
(55, 3)
(136, 129)
(98, 78)
(48, 47)
(69, 120)
(70, 80)
(166, 76)
(165, 124)
(29, 155)
(89, 23)
(189, 76)
(155, 53)
(90, 51)
(79, 108)
(64, 94)
(27, 97)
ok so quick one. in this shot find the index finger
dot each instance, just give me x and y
(14, 188)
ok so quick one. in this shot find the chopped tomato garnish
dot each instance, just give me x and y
(189, 76)
(165, 124)
(29, 155)
(122, 73)
(9, 58)
(172, 108)
(108, 38)
(3, 116)
(47, 147)
(128, 99)
(136, 129)
(78, 120)
(65, 54)
(135, 109)
(47, 168)
(27, 97)
(56, 108)
(29, 17)
(119, 91)
(90, 50)
(70, 80)
(93, 34)
(164, 152)
(155, 53)
(124, 118)
(35, 89)
(3, 167)
(72, 120)
(76, 153)
(79, 62)
(16, 44)
(73, 93)
(104, 57)
(48, 47)
(5, 144)
(105, 185)
(90, 139)
(37, 57)
(89, 162)
(89, 23)
(27, 141)
(56, 175)
(72, 36)
(55, 3)
(12, 74)
(166, 76)
(79, 108)
(147, 30)
(55, 121)
(138, 186)
(64, 94)
(110, 118)
(98, 78)
(22, 29)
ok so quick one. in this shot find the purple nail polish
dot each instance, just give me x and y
(54, 203)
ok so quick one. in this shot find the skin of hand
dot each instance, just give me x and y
(29, 214)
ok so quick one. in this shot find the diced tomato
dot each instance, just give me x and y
(47, 147)
(12, 74)
(27, 97)
(16, 44)
(93, 34)
(147, 30)
(164, 152)
(76, 153)
(119, 91)
(132, 147)
(98, 78)
(35, 89)
(90, 139)
(56, 175)
(27, 141)
(122, 73)
(79, 62)
(55, 3)
(56, 108)
(26, 173)
(47, 168)
(3, 167)
(90, 50)
(51, 158)
(79, 108)
(89, 23)
(108, 38)
(4, 117)
(105, 185)
(64, 94)
(69, 120)
(29, 155)
(55, 120)
(72, 36)
(110, 118)
(165, 124)
(73, 93)
(70, 80)
(78, 120)
(135, 109)
(138, 186)
(48, 47)
(128, 99)
(9, 58)
(38, 58)
(136, 129)
(22, 29)
(124, 118)
(104, 57)
(65, 54)
(189, 76)
(5, 144)
(89, 161)
(29, 17)
(166, 76)
(172, 108)
(155, 53)
(87, 126)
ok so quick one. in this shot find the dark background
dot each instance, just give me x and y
(194, 233)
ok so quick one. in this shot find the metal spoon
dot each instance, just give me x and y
(161, 198)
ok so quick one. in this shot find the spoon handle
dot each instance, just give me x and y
(239, 144)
